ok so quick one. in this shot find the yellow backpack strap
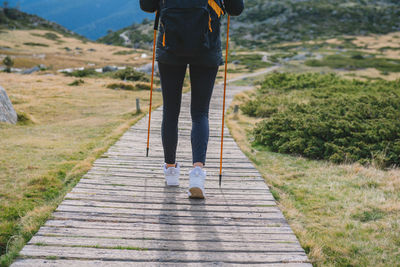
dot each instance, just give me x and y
(218, 10)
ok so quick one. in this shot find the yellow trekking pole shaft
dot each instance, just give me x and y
(223, 105)
(152, 81)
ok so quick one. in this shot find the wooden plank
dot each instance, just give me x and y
(173, 191)
(157, 173)
(144, 226)
(181, 194)
(184, 183)
(272, 213)
(203, 215)
(165, 244)
(132, 197)
(274, 234)
(162, 256)
(99, 263)
(163, 188)
(155, 219)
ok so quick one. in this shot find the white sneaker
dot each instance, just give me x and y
(172, 175)
(197, 177)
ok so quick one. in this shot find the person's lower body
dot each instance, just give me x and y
(202, 79)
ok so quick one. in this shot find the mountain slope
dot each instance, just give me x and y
(11, 18)
(87, 17)
(268, 22)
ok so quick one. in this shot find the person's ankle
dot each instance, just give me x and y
(198, 164)
(171, 165)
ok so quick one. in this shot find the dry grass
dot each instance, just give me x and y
(41, 159)
(343, 215)
(56, 56)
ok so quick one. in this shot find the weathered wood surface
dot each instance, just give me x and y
(121, 213)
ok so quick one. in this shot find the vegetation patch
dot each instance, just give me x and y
(124, 52)
(77, 82)
(129, 74)
(36, 44)
(129, 87)
(121, 86)
(356, 61)
(82, 73)
(251, 61)
(24, 119)
(327, 117)
(48, 35)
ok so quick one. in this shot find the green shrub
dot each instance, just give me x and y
(129, 74)
(81, 73)
(124, 52)
(77, 82)
(142, 86)
(129, 87)
(121, 86)
(9, 63)
(36, 44)
(327, 117)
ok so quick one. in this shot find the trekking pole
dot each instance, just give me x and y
(223, 105)
(152, 79)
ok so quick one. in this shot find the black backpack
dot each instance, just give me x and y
(187, 25)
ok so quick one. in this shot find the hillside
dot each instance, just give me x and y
(11, 18)
(138, 35)
(267, 22)
(86, 17)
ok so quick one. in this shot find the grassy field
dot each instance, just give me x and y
(32, 47)
(62, 130)
(343, 214)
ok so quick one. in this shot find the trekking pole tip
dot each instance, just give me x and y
(220, 180)
(147, 152)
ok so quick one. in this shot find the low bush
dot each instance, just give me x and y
(129, 87)
(121, 86)
(124, 52)
(129, 74)
(81, 73)
(77, 82)
(326, 117)
(36, 44)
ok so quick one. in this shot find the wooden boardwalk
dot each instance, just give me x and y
(121, 214)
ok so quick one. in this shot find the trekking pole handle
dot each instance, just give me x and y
(157, 20)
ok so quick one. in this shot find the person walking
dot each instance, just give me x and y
(189, 36)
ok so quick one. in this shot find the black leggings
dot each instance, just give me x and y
(202, 79)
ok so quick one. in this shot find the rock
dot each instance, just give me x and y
(31, 70)
(147, 68)
(7, 112)
(109, 69)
